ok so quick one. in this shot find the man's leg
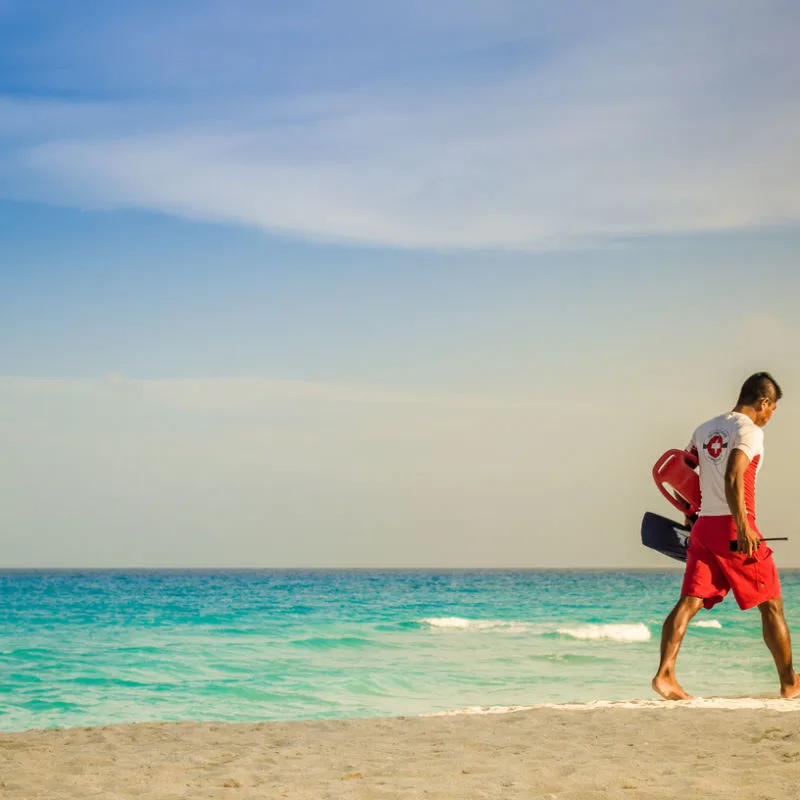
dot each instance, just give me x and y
(675, 625)
(776, 635)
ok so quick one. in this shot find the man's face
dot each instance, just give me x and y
(764, 411)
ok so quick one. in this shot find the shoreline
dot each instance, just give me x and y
(763, 702)
(629, 750)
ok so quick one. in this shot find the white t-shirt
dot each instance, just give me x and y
(714, 441)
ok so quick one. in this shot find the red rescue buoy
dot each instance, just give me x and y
(675, 474)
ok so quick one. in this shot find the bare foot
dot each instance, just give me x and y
(672, 690)
(791, 689)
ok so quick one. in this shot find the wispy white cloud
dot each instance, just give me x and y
(675, 120)
(251, 394)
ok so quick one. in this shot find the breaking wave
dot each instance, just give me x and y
(463, 624)
(638, 632)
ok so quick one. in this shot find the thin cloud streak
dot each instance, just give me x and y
(251, 393)
(679, 122)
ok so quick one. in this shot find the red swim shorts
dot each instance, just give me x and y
(712, 568)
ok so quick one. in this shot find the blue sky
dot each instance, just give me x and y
(490, 233)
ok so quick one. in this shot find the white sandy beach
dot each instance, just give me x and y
(701, 750)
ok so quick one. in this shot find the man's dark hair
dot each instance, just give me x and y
(762, 384)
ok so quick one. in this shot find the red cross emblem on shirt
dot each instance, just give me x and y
(715, 446)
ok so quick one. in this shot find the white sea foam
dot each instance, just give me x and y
(728, 703)
(707, 623)
(448, 622)
(460, 623)
(637, 632)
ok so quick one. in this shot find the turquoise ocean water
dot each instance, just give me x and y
(101, 647)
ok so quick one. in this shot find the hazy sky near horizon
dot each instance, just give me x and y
(362, 284)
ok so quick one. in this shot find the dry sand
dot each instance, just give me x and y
(646, 750)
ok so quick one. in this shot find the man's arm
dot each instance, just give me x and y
(738, 463)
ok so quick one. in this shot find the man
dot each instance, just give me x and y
(730, 449)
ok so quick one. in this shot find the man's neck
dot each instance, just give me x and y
(748, 411)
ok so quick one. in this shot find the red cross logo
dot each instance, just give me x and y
(715, 446)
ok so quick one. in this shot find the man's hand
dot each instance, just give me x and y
(748, 540)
